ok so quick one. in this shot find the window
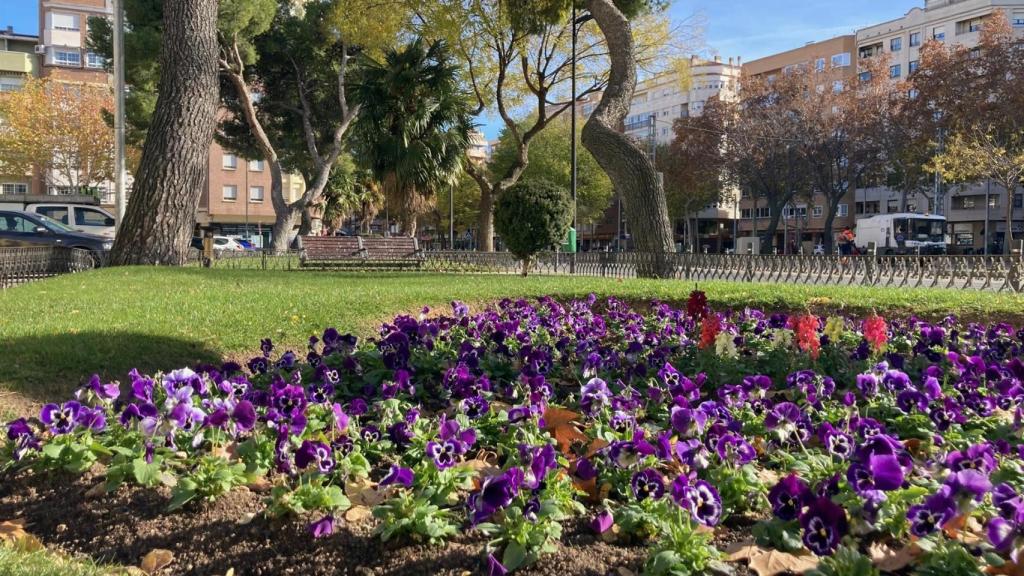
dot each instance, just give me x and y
(1018, 201)
(939, 33)
(966, 202)
(837, 86)
(93, 60)
(230, 162)
(915, 39)
(1018, 19)
(64, 21)
(840, 60)
(819, 65)
(67, 57)
(968, 26)
(896, 44)
(14, 223)
(865, 76)
(745, 213)
(256, 165)
(256, 194)
(895, 71)
(58, 213)
(14, 188)
(843, 211)
(230, 193)
(10, 84)
(892, 206)
(92, 217)
(794, 211)
(764, 212)
(817, 212)
(914, 65)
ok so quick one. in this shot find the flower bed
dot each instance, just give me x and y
(849, 445)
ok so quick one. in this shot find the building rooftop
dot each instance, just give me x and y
(8, 33)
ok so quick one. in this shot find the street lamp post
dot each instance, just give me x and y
(988, 206)
(119, 152)
(577, 22)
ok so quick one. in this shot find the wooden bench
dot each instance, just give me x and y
(364, 253)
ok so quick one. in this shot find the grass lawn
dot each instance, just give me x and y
(55, 333)
(43, 563)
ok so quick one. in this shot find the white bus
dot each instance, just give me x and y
(902, 233)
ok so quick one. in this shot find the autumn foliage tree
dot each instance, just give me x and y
(975, 95)
(58, 129)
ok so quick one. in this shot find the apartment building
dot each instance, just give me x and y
(900, 41)
(18, 61)
(802, 222)
(657, 103)
(63, 31)
(236, 196)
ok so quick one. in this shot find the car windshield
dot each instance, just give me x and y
(54, 225)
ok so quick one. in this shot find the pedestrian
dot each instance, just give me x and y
(846, 240)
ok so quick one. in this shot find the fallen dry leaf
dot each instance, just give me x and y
(156, 560)
(12, 530)
(96, 491)
(482, 467)
(358, 514)
(561, 424)
(364, 492)
(768, 562)
(888, 560)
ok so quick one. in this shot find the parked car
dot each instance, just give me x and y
(220, 244)
(77, 212)
(21, 228)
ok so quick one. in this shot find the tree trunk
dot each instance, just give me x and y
(160, 218)
(1011, 188)
(629, 168)
(485, 220)
(284, 224)
(829, 230)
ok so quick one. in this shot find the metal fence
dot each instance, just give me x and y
(20, 265)
(993, 273)
(248, 260)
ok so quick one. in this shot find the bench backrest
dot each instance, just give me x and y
(332, 247)
(393, 247)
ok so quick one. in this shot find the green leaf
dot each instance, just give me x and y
(146, 473)
(514, 556)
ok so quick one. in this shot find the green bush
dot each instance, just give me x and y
(531, 217)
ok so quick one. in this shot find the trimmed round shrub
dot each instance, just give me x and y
(531, 217)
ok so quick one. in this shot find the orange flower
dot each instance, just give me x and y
(876, 332)
(709, 329)
(805, 327)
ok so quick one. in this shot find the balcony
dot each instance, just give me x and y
(19, 62)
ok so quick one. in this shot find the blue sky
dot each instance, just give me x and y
(746, 28)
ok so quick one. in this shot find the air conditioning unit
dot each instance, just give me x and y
(40, 48)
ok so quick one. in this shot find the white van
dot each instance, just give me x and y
(79, 213)
(902, 233)
(91, 219)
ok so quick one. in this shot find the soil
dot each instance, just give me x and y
(211, 537)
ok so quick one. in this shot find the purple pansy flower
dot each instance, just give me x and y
(61, 418)
(315, 454)
(788, 497)
(824, 524)
(398, 475)
(647, 483)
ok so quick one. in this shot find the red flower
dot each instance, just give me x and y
(709, 330)
(697, 305)
(806, 329)
(875, 332)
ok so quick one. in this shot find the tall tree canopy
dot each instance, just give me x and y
(59, 129)
(288, 100)
(550, 160)
(414, 127)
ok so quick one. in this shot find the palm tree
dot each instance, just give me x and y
(414, 124)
